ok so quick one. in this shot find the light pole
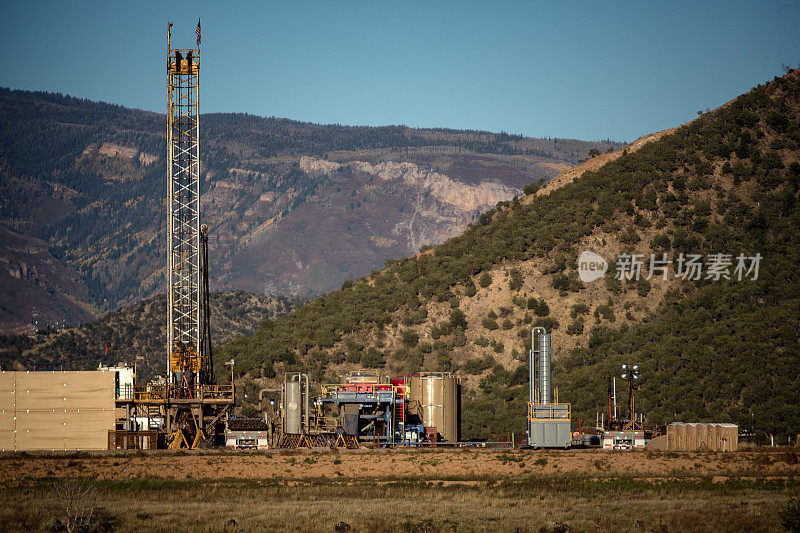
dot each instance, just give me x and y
(630, 373)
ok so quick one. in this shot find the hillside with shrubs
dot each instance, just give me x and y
(723, 347)
(134, 335)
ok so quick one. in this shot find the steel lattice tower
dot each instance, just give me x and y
(183, 216)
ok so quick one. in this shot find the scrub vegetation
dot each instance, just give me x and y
(724, 350)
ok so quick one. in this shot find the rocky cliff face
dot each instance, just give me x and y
(441, 207)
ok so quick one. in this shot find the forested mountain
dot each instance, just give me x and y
(136, 334)
(721, 192)
(293, 208)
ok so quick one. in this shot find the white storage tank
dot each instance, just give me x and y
(439, 394)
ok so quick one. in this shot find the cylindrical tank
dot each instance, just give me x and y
(291, 422)
(438, 395)
(451, 410)
(544, 368)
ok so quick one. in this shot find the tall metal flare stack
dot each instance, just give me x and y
(549, 422)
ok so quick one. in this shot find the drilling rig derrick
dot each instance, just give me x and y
(193, 404)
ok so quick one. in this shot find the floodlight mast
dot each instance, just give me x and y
(630, 373)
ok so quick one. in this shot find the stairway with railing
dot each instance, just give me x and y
(399, 414)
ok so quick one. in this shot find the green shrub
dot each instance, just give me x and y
(372, 358)
(643, 287)
(477, 365)
(576, 327)
(470, 289)
(409, 337)
(642, 221)
(459, 338)
(613, 285)
(531, 188)
(579, 309)
(606, 312)
(485, 280)
(629, 237)
(458, 319)
(444, 363)
(549, 323)
(561, 282)
(490, 323)
(660, 242)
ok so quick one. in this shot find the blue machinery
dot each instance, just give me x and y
(366, 409)
(549, 422)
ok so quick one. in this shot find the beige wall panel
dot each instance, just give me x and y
(7, 410)
(6, 440)
(6, 384)
(40, 430)
(7, 419)
(7, 425)
(43, 390)
(56, 410)
(96, 421)
(88, 429)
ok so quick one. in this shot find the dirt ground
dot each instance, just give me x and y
(429, 490)
(432, 464)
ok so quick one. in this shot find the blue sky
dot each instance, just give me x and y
(588, 70)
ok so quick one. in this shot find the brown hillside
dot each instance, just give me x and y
(596, 162)
(695, 194)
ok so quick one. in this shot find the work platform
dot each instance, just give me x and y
(163, 407)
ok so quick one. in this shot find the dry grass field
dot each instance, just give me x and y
(372, 490)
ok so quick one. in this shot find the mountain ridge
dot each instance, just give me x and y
(87, 179)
